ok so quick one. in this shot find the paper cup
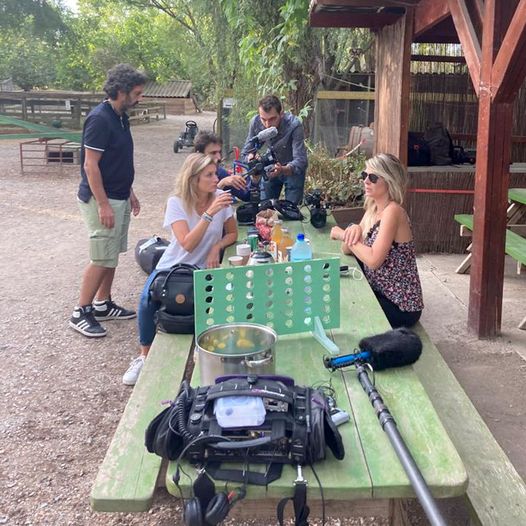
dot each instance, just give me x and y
(236, 261)
(244, 251)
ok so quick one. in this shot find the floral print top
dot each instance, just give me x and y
(397, 278)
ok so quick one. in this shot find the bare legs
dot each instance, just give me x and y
(96, 284)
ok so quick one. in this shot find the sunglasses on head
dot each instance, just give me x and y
(372, 177)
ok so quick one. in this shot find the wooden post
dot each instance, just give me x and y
(491, 185)
(393, 60)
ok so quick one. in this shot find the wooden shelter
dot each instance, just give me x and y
(176, 95)
(493, 38)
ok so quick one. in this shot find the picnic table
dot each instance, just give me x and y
(370, 480)
(515, 243)
(370, 477)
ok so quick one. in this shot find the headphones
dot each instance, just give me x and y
(206, 507)
(216, 509)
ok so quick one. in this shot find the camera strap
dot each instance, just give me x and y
(299, 501)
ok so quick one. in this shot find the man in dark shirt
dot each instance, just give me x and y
(210, 144)
(106, 197)
(288, 146)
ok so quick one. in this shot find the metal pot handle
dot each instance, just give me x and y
(256, 363)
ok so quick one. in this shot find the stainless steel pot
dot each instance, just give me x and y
(235, 348)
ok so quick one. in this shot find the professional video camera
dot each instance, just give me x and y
(317, 208)
(258, 168)
(262, 164)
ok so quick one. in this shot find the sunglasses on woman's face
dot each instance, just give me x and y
(372, 177)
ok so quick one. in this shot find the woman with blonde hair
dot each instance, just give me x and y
(201, 221)
(383, 242)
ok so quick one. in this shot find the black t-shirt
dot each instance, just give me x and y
(105, 131)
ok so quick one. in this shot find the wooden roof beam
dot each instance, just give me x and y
(509, 68)
(428, 14)
(468, 39)
(345, 19)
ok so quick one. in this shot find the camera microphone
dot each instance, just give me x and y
(265, 135)
(394, 348)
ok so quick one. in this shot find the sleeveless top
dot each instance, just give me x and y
(397, 278)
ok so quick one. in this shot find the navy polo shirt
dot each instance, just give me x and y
(106, 132)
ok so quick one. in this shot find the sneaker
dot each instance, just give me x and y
(133, 372)
(109, 310)
(83, 321)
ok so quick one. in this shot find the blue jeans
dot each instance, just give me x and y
(146, 312)
(293, 188)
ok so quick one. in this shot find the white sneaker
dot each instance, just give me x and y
(133, 372)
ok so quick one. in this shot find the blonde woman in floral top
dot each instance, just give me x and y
(383, 242)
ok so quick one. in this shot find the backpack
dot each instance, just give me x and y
(418, 152)
(440, 144)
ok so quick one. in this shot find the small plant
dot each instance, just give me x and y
(338, 178)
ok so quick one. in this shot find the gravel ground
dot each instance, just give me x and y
(62, 393)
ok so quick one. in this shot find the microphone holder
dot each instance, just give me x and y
(404, 455)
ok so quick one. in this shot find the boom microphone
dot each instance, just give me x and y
(265, 135)
(394, 348)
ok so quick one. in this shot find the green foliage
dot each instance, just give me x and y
(339, 179)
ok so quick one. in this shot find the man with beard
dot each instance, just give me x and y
(106, 197)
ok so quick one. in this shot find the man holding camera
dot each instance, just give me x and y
(288, 147)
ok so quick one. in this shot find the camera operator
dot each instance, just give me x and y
(210, 144)
(288, 146)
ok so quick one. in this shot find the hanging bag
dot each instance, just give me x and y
(174, 289)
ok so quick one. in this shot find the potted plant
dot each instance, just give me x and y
(340, 183)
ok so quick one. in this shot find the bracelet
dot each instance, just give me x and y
(207, 217)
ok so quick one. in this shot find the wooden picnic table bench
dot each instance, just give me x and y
(515, 244)
(370, 481)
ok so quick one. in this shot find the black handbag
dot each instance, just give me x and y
(174, 289)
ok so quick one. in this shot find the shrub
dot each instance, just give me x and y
(338, 178)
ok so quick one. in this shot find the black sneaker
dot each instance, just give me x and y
(109, 310)
(83, 321)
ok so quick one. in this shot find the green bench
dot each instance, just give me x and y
(496, 494)
(515, 243)
(127, 478)
(515, 247)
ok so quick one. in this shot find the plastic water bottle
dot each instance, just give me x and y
(301, 250)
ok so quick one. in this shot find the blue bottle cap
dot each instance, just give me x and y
(300, 237)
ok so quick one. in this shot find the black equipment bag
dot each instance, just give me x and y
(148, 252)
(440, 144)
(174, 288)
(418, 152)
(297, 428)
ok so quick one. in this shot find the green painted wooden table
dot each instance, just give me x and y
(517, 195)
(370, 475)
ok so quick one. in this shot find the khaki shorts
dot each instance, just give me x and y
(105, 244)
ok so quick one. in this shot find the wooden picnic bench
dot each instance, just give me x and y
(144, 113)
(515, 247)
(370, 480)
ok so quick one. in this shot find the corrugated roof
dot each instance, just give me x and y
(172, 88)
